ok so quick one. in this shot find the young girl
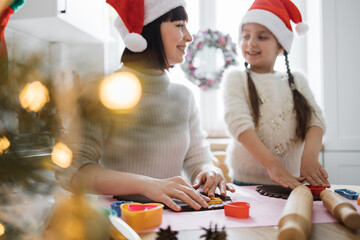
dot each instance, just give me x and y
(276, 125)
(164, 137)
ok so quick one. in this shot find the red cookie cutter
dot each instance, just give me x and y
(315, 190)
(237, 209)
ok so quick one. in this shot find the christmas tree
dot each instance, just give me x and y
(29, 150)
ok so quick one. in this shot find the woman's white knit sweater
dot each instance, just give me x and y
(277, 123)
(159, 138)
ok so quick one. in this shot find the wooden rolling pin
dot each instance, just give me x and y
(295, 221)
(342, 210)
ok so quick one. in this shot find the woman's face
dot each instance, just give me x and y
(259, 47)
(175, 37)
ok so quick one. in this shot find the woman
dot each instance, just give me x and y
(144, 152)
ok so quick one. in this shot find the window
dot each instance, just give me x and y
(203, 15)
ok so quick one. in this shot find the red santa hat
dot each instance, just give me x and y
(134, 14)
(276, 15)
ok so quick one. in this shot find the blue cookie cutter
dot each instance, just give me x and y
(107, 211)
(349, 194)
(116, 206)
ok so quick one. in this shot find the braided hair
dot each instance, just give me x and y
(301, 106)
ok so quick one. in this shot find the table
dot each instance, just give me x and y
(324, 231)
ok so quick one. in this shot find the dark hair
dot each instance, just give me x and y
(154, 55)
(301, 106)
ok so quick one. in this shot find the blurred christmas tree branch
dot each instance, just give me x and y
(27, 136)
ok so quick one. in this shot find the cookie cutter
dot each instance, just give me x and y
(315, 190)
(142, 216)
(237, 209)
(108, 212)
(349, 194)
(116, 206)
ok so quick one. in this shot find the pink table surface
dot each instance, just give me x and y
(264, 211)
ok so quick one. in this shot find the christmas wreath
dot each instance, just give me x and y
(209, 38)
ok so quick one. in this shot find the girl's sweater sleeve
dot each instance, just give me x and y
(198, 156)
(317, 118)
(237, 110)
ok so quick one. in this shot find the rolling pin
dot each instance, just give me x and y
(295, 221)
(342, 210)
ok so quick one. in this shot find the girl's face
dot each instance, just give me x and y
(259, 47)
(175, 36)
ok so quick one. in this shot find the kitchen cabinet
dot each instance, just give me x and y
(67, 21)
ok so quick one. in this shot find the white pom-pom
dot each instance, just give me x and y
(135, 42)
(301, 29)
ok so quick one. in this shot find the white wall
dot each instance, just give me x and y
(341, 84)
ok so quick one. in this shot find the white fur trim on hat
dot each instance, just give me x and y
(271, 22)
(157, 8)
(135, 42)
(301, 29)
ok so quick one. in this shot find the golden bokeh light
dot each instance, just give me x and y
(4, 144)
(2, 229)
(120, 91)
(34, 96)
(61, 155)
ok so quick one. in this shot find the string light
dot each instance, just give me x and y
(34, 96)
(4, 144)
(2, 229)
(120, 91)
(61, 155)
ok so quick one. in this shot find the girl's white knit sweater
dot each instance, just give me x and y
(277, 122)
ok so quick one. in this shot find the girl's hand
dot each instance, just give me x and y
(162, 190)
(211, 180)
(277, 173)
(280, 175)
(311, 169)
(313, 172)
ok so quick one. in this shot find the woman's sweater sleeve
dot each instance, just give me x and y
(85, 139)
(198, 156)
(317, 118)
(237, 111)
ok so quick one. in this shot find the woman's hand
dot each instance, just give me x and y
(280, 175)
(211, 180)
(313, 172)
(162, 190)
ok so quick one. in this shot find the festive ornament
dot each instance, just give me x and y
(4, 19)
(214, 234)
(166, 234)
(212, 39)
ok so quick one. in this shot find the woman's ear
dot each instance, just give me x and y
(280, 49)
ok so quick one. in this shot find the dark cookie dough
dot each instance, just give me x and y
(184, 207)
(277, 191)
